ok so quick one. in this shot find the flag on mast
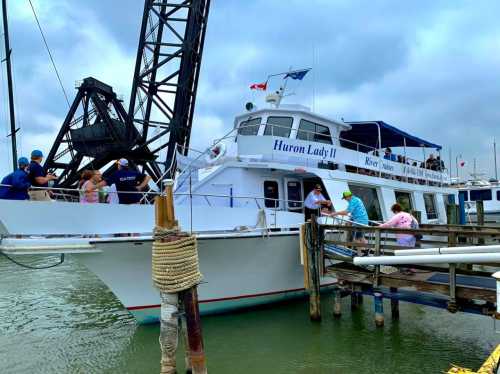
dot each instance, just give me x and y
(259, 86)
(297, 74)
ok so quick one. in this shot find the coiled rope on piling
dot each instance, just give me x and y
(175, 260)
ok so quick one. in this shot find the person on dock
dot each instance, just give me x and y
(15, 185)
(127, 181)
(314, 201)
(356, 209)
(405, 221)
(39, 178)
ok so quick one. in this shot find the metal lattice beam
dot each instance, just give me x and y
(166, 74)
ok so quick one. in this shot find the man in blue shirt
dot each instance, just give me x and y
(15, 185)
(358, 213)
(127, 181)
(39, 178)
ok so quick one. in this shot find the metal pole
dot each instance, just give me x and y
(450, 162)
(9, 84)
(495, 153)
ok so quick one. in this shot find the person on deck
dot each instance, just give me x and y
(39, 178)
(127, 181)
(314, 201)
(88, 187)
(15, 185)
(359, 216)
(402, 220)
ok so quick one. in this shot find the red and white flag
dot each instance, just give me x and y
(259, 86)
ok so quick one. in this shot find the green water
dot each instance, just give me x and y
(64, 320)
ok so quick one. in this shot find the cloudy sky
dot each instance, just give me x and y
(429, 67)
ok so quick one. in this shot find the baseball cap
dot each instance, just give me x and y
(23, 161)
(123, 162)
(36, 153)
(318, 187)
(346, 194)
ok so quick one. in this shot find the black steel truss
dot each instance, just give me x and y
(98, 130)
(166, 75)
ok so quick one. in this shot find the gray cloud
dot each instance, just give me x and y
(431, 67)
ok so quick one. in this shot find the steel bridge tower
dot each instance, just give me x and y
(98, 130)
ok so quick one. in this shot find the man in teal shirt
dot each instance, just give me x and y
(358, 213)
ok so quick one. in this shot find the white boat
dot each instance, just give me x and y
(244, 203)
(481, 190)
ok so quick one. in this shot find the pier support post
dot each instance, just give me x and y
(452, 303)
(313, 272)
(169, 332)
(356, 297)
(193, 327)
(178, 288)
(480, 219)
(394, 304)
(337, 302)
(379, 308)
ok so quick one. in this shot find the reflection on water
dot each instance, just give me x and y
(64, 320)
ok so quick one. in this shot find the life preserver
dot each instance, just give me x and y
(216, 153)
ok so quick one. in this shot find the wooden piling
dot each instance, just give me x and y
(193, 326)
(480, 212)
(452, 214)
(337, 302)
(313, 272)
(452, 302)
(169, 329)
(394, 304)
(480, 218)
(377, 253)
(356, 297)
(379, 308)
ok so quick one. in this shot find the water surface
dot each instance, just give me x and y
(64, 320)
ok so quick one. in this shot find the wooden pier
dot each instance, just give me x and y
(453, 286)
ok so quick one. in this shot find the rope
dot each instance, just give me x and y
(50, 54)
(61, 260)
(175, 260)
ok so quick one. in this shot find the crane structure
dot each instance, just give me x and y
(98, 130)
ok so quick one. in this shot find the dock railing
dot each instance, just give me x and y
(445, 276)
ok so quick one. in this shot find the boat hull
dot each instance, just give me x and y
(238, 272)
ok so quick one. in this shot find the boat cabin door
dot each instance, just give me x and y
(293, 195)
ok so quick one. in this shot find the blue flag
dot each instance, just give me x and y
(298, 74)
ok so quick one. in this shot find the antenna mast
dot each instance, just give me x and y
(495, 154)
(12, 117)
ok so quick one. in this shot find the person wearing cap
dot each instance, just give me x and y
(356, 209)
(314, 201)
(127, 181)
(15, 185)
(39, 178)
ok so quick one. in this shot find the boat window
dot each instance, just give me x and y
(294, 193)
(465, 194)
(498, 195)
(369, 197)
(279, 126)
(313, 132)
(483, 195)
(430, 206)
(271, 194)
(250, 127)
(404, 199)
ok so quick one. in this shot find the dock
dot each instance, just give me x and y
(329, 251)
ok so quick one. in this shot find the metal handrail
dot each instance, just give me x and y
(371, 149)
(157, 193)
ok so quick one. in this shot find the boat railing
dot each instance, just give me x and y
(317, 137)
